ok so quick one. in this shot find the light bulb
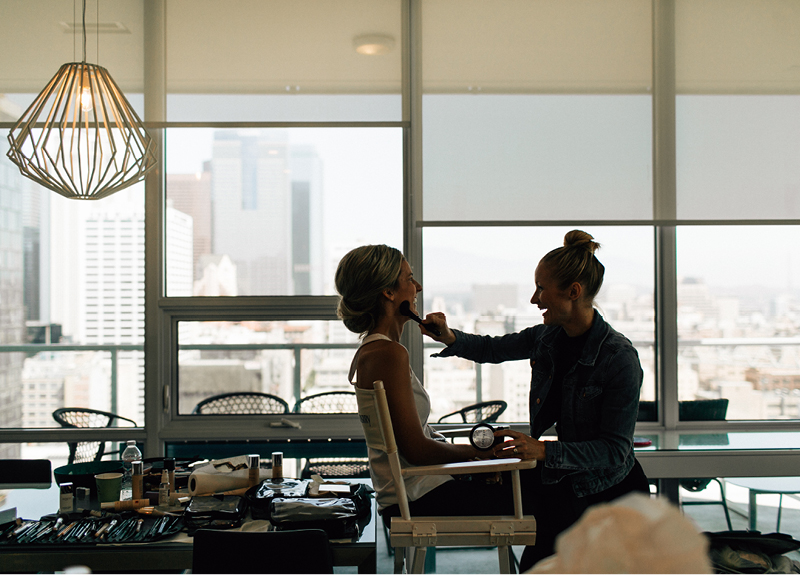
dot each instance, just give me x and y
(86, 100)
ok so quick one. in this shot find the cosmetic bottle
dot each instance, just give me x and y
(164, 479)
(169, 465)
(163, 495)
(253, 465)
(66, 501)
(137, 480)
(277, 466)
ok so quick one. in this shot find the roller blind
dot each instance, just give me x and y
(738, 109)
(537, 110)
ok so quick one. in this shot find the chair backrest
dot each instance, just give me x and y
(298, 551)
(328, 402)
(25, 474)
(336, 467)
(384, 440)
(240, 403)
(647, 411)
(483, 412)
(86, 451)
(703, 410)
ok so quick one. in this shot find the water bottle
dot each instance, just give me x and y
(130, 455)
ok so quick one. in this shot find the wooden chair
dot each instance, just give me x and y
(483, 412)
(240, 403)
(411, 536)
(86, 451)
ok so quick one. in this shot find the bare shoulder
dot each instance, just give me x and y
(384, 360)
(382, 351)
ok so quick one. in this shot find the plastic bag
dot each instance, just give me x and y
(214, 512)
(634, 534)
(337, 517)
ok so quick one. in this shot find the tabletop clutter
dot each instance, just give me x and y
(149, 500)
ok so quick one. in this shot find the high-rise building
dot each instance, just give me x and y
(250, 198)
(12, 307)
(191, 194)
(306, 176)
(99, 249)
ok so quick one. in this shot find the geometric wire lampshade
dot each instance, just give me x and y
(80, 137)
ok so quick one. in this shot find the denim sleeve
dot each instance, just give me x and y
(618, 411)
(488, 349)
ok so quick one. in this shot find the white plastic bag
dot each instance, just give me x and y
(634, 534)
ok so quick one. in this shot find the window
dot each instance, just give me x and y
(738, 319)
(486, 131)
(271, 211)
(482, 278)
(290, 359)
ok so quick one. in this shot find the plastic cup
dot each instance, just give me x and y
(108, 486)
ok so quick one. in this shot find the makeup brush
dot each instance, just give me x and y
(405, 309)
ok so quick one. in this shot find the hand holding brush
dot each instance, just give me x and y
(405, 309)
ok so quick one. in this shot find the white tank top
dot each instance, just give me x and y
(379, 469)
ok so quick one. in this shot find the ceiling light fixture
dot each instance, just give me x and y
(81, 137)
(373, 44)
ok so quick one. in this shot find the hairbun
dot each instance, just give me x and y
(581, 239)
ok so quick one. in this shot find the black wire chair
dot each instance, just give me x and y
(86, 451)
(483, 412)
(704, 410)
(332, 402)
(328, 402)
(241, 403)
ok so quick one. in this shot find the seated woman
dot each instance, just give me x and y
(373, 282)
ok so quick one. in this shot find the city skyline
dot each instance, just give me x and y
(460, 272)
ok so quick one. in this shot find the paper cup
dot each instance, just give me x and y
(108, 486)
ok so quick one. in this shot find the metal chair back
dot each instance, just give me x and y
(328, 402)
(80, 417)
(241, 403)
(483, 412)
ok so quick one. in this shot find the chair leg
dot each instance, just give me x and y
(400, 558)
(724, 503)
(505, 555)
(389, 548)
(418, 563)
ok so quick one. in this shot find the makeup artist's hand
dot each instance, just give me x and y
(439, 320)
(520, 445)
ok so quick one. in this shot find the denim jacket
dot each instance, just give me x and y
(600, 399)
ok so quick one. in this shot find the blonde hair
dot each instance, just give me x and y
(361, 278)
(576, 262)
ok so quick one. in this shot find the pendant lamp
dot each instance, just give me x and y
(81, 137)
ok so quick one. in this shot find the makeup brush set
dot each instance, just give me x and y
(90, 528)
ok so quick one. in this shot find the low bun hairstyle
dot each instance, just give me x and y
(576, 262)
(361, 278)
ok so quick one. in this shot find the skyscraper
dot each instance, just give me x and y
(251, 209)
(12, 310)
(306, 177)
(191, 194)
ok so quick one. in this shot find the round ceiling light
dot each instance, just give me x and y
(373, 44)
